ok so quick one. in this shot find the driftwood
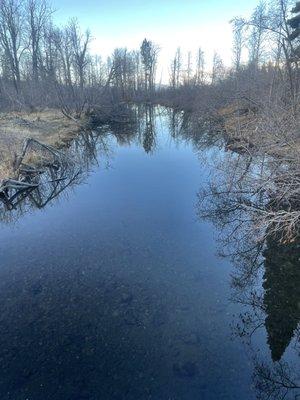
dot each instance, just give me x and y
(11, 188)
(26, 176)
(29, 169)
(11, 183)
(26, 147)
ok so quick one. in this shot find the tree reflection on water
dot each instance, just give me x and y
(266, 279)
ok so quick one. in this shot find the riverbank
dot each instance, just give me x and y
(249, 126)
(261, 131)
(48, 126)
(264, 131)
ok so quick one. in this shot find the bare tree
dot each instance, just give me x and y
(51, 62)
(218, 69)
(80, 43)
(176, 69)
(63, 44)
(37, 15)
(149, 54)
(11, 36)
(199, 76)
(257, 34)
(238, 42)
(270, 24)
(189, 70)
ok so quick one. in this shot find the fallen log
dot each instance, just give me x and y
(29, 177)
(58, 156)
(18, 185)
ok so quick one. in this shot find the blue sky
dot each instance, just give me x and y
(170, 23)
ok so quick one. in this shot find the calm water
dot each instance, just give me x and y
(114, 289)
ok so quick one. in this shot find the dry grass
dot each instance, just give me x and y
(48, 126)
(273, 131)
(239, 124)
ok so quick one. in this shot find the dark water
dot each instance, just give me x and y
(114, 289)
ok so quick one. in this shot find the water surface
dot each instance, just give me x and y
(114, 289)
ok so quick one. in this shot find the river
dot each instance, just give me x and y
(113, 287)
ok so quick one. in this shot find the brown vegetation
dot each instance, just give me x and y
(48, 126)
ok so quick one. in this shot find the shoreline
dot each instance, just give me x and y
(49, 126)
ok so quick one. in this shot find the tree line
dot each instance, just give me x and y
(39, 60)
(43, 64)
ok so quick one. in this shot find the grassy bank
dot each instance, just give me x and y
(48, 126)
